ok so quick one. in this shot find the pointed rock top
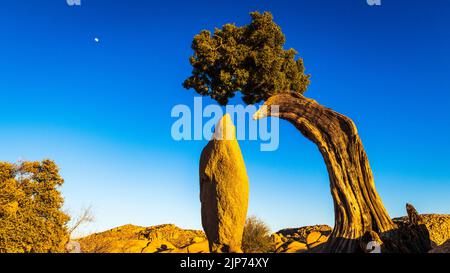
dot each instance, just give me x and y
(225, 129)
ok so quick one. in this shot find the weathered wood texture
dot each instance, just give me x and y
(357, 205)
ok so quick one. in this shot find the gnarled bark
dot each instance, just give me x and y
(357, 205)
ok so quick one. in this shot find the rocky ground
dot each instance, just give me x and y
(172, 239)
(304, 239)
(133, 239)
(438, 226)
(444, 248)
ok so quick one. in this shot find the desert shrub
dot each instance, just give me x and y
(256, 237)
(31, 219)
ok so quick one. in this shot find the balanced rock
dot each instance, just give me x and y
(224, 189)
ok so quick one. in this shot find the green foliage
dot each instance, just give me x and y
(256, 237)
(31, 219)
(249, 59)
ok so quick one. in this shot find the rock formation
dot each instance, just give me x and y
(419, 233)
(438, 226)
(224, 189)
(171, 239)
(444, 248)
(413, 216)
(300, 240)
(414, 234)
(357, 205)
(157, 239)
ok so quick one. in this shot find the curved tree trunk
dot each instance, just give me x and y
(357, 205)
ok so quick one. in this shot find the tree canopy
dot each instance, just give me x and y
(250, 59)
(31, 219)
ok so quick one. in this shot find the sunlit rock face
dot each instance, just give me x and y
(224, 189)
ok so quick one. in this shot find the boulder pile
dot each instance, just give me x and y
(157, 239)
(172, 239)
(437, 227)
(299, 240)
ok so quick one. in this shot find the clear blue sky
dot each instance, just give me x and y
(102, 110)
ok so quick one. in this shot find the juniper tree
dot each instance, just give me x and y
(251, 59)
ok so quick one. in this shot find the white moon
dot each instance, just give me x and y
(96, 39)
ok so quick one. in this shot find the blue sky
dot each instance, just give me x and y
(102, 110)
